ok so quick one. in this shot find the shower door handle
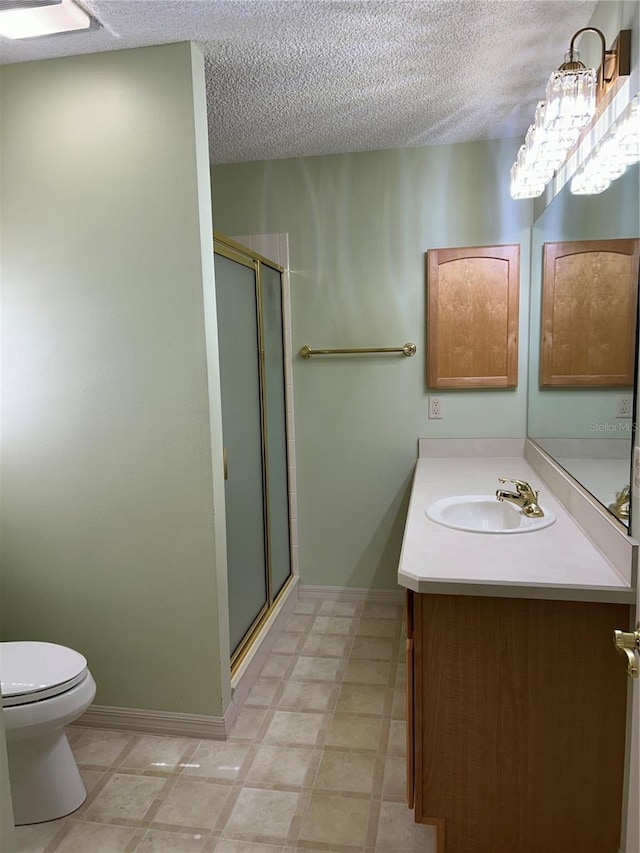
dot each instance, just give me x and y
(225, 465)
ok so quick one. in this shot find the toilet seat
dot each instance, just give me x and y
(33, 671)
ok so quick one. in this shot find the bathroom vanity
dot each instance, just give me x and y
(516, 696)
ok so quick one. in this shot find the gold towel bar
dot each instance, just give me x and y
(307, 352)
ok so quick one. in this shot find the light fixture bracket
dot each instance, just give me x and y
(573, 62)
(617, 61)
(614, 63)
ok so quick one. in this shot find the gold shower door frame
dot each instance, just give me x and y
(238, 253)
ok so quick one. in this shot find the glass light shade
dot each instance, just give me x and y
(619, 148)
(627, 133)
(34, 21)
(521, 191)
(569, 105)
(525, 182)
(570, 102)
(585, 185)
(537, 159)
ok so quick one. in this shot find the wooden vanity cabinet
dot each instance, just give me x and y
(516, 723)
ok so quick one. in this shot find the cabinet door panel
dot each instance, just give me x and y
(472, 317)
(410, 693)
(522, 707)
(589, 310)
(410, 725)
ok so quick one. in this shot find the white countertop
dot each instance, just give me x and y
(557, 562)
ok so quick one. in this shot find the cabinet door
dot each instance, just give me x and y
(472, 317)
(522, 709)
(409, 663)
(631, 808)
(589, 310)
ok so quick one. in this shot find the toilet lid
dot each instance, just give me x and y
(33, 671)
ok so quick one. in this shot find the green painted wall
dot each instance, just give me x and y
(359, 226)
(108, 539)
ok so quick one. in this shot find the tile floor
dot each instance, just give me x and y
(315, 761)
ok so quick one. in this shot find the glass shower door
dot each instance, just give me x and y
(275, 428)
(237, 305)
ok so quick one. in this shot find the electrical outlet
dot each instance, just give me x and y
(636, 472)
(435, 408)
(623, 405)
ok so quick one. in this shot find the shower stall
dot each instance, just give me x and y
(249, 298)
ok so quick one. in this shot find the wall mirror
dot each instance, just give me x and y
(587, 427)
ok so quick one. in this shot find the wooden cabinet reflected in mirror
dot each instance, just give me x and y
(589, 310)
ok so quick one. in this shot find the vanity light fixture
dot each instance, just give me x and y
(569, 105)
(23, 19)
(619, 148)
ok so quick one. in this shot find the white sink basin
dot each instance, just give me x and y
(485, 514)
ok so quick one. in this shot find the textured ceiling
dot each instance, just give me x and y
(290, 78)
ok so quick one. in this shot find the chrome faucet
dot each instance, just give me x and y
(524, 497)
(621, 506)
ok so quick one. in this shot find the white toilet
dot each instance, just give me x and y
(44, 688)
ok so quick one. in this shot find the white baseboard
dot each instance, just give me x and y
(155, 722)
(218, 728)
(354, 594)
(199, 725)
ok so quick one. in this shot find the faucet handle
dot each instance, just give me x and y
(521, 485)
